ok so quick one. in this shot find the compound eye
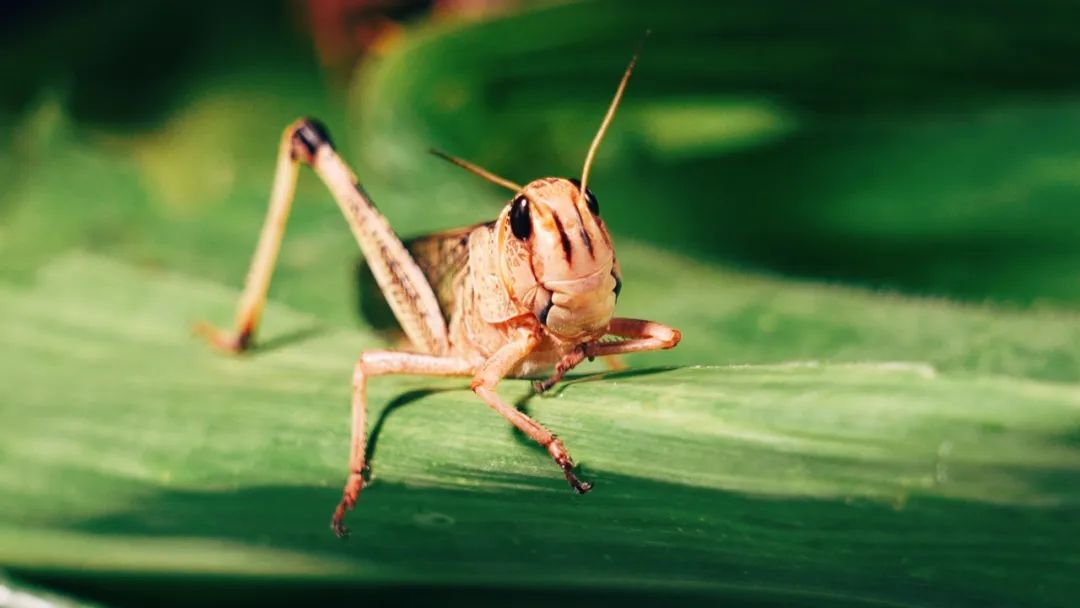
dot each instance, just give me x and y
(520, 220)
(590, 198)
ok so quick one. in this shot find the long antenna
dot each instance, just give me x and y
(610, 114)
(477, 170)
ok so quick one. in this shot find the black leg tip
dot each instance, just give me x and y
(309, 136)
(579, 487)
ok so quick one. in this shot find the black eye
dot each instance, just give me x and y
(590, 198)
(520, 221)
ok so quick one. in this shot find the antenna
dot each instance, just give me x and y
(610, 113)
(476, 170)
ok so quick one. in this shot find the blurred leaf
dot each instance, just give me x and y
(909, 145)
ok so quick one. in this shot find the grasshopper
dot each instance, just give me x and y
(530, 293)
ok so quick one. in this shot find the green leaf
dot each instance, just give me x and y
(806, 443)
(127, 446)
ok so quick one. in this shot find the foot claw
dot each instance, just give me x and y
(558, 452)
(337, 522)
(340, 529)
(353, 486)
(227, 342)
(542, 386)
(580, 487)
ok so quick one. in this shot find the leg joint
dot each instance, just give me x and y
(673, 339)
(359, 371)
(308, 135)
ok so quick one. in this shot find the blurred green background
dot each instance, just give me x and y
(863, 215)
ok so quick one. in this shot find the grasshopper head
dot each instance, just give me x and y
(557, 258)
(556, 254)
